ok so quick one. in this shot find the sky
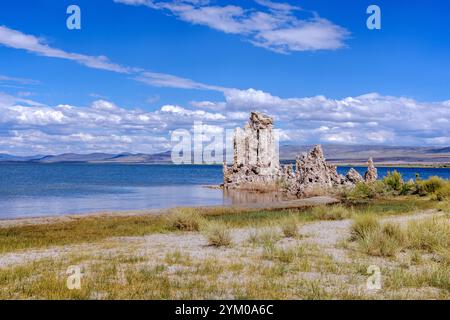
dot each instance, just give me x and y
(139, 69)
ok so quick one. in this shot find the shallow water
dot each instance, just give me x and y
(28, 189)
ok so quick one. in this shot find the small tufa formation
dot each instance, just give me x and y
(255, 159)
(353, 176)
(311, 168)
(313, 173)
(371, 174)
(256, 164)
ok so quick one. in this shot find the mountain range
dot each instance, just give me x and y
(339, 154)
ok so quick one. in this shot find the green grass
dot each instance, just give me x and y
(431, 235)
(92, 229)
(80, 230)
(333, 212)
(184, 219)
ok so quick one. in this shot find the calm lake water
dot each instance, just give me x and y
(52, 189)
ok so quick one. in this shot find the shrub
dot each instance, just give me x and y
(443, 193)
(185, 219)
(334, 212)
(432, 184)
(218, 235)
(408, 188)
(362, 226)
(393, 180)
(362, 191)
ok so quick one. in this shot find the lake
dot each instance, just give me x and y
(28, 189)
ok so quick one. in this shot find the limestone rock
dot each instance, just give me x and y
(311, 168)
(371, 174)
(255, 158)
(256, 164)
(353, 176)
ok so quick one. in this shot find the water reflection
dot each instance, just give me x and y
(252, 198)
(136, 198)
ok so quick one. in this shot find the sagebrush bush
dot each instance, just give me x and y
(408, 188)
(362, 191)
(393, 180)
(443, 193)
(185, 219)
(333, 212)
(432, 184)
(218, 235)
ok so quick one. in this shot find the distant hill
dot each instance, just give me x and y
(339, 154)
(380, 154)
(73, 157)
(8, 157)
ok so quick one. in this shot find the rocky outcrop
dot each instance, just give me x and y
(311, 168)
(255, 160)
(371, 174)
(353, 176)
(314, 173)
(256, 164)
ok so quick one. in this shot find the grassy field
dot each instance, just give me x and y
(96, 228)
(221, 253)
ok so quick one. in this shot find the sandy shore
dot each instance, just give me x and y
(70, 217)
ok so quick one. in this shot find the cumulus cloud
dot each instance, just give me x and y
(274, 26)
(31, 127)
(366, 119)
(28, 127)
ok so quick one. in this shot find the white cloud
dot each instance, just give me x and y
(30, 127)
(170, 81)
(4, 78)
(19, 40)
(276, 28)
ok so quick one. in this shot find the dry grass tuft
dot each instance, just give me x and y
(362, 226)
(218, 235)
(185, 219)
(431, 235)
(334, 212)
(290, 228)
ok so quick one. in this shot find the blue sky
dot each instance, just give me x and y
(313, 65)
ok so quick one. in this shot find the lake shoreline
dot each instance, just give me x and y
(49, 219)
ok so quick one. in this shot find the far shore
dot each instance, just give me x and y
(339, 164)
